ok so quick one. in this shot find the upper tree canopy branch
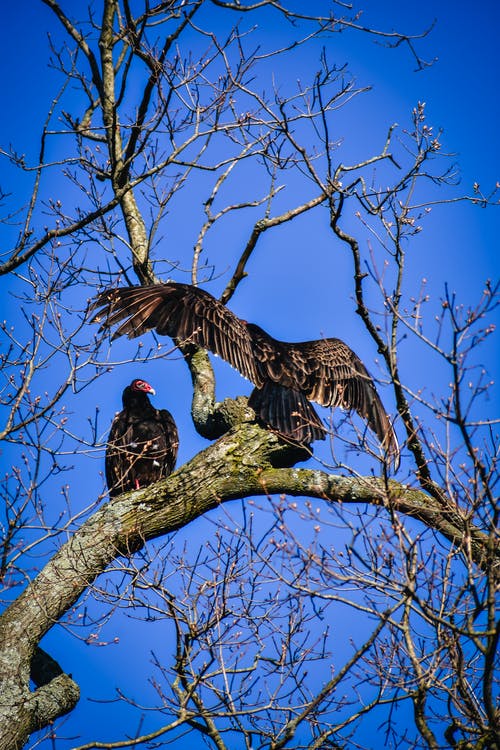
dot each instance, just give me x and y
(258, 229)
(362, 309)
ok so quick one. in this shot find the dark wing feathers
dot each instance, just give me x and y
(170, 445)
(330, 373)
(333, 375)
(136, 306)
(117, 440)
(326, 371)
(184, 313)
(140, 450)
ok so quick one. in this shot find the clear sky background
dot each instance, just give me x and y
(459, 246)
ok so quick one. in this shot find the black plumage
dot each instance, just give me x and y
(286, 375)
(142, 443)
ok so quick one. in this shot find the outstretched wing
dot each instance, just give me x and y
(326, 371)
(182, 312)
(331, 374)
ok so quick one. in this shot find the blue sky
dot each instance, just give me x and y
(459, 246)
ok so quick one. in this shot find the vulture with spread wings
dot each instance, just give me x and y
(287, 376)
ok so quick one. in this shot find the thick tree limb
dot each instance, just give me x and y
(56, 692)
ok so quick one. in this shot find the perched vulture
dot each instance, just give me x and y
(142, 443)
(286, 375)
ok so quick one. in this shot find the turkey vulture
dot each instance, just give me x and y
(142, 442)
(286, 375)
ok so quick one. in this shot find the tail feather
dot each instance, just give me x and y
(288, 412)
